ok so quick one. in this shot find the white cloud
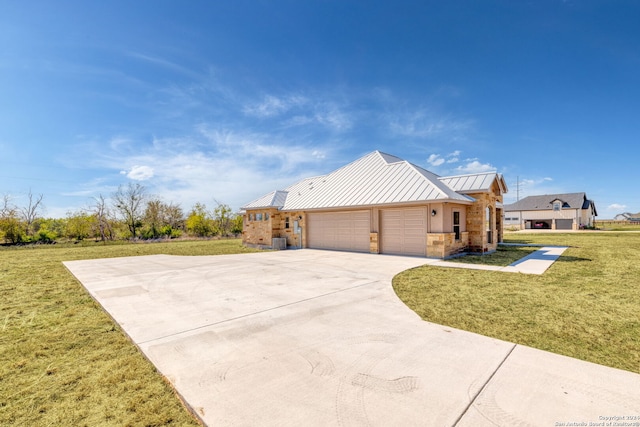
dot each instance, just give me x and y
(139, 173)
(318, 154)
(616, 207)
(453, 157)
(475, 166)
(435, 160)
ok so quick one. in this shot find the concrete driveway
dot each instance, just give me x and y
(310, 337)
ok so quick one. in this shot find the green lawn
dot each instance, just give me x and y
(63, 361)
(502, 257)
(587, 305)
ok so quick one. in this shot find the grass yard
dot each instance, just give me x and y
(587, 305)
(63, 361)
(503, 256)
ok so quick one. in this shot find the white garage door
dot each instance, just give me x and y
(403, 231)
(347, 231)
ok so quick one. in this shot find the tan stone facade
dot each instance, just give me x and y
(261, 226)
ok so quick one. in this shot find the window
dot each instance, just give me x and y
(557, 206)
(489, 221)
(456, 224)
(258, 217)
(250, 217)
(286, 223)
(266, 216)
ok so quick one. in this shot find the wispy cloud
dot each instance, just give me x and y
(436, 159)
(291, 110)
(227, 165)
(225, 143)
(272, 105)
(616, 207)
(524, 186)
(427, 124)
(162, 62)
(474, 166)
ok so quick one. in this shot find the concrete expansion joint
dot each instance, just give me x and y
(231, 319)
(484, 386)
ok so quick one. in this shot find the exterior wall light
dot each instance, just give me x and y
(433, 212)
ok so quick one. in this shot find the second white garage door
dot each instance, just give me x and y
(403, 231)
(347, 231)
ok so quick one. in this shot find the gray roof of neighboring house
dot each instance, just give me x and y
(545, 202)
(375, 179)
(629, 215)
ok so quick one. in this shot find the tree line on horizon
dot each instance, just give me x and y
(131, 213)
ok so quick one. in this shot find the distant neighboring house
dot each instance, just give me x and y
(627, 217)
(570, 211)
(381, 204)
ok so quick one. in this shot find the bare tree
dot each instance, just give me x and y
(30, 212)
(101, 213)
(7, 208)
(129, 202)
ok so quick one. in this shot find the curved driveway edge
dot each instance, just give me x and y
(309, 337)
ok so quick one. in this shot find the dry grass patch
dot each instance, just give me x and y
(63, 361)
(587, 305)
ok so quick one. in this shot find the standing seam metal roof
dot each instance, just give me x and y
(474, 182)
(375, 179)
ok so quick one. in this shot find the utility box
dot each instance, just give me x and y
(279, 243)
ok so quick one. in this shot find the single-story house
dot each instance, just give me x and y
(627, 216)
(570, 211)
(381, 204)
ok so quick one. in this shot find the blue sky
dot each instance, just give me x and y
(205, 101)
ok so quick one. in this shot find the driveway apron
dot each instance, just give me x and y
(308, 337)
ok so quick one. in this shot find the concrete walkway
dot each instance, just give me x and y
(319, 338)
(535, 263)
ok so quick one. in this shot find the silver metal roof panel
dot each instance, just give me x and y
(375, 179)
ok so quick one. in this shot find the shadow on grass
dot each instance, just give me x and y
(563, 258)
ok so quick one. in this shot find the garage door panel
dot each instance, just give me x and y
(403, 231)
(339, 230)
(564, 224)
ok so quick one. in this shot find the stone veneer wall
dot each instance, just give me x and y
(260, 233)
(374, 246)
(444, 245)
(476, 227)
